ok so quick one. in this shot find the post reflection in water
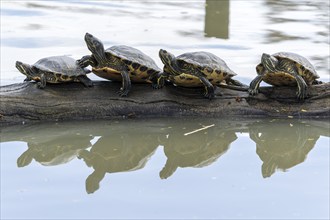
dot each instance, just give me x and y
(217, 19)
(197, 149)
(128, 145)
(283, 145)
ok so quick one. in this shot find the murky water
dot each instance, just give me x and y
(255, 169)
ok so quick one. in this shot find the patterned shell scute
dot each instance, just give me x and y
(298, 59)
(206, 60)
(63, 65)
(133, 55)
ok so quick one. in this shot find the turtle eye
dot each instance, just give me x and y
(182, 64)
(96, 44)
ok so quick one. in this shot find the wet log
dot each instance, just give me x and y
(23, 102)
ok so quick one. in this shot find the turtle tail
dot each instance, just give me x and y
(234, 85)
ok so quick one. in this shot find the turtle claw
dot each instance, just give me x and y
(158, 83)
(253, 91)
(40, 85)
(157, 86)
(27, 79)
(90, 84)
(84, 61)
(301, 95)
(317, 82)
(123, 93)
(209, 95)
(81, 63)
(209, 92)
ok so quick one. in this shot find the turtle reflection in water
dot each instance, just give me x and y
(117, 153)
(54, 150)
(281, 145)
(195, 150)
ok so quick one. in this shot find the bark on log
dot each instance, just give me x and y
(23, 102)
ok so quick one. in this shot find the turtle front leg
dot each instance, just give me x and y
(302, 86)
(158, 81)
(43, 82)
(86, 61)
(209, 88)
(85, 80)
(254, 85)
(126, 84)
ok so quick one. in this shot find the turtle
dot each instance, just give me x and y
(285, 69)
(54, 69)
(120, 63)
(196, 69)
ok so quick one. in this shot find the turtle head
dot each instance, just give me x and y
(169, 61)
(25, 69)
(95, 46)
(269, 62)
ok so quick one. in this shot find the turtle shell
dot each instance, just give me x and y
(62, 65)
(281, 78)
(58, 69)
(140, 66)
(214, 68)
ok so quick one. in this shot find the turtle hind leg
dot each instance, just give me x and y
(234, 85)
(85, 80)
(126, 84)
(254, 85)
